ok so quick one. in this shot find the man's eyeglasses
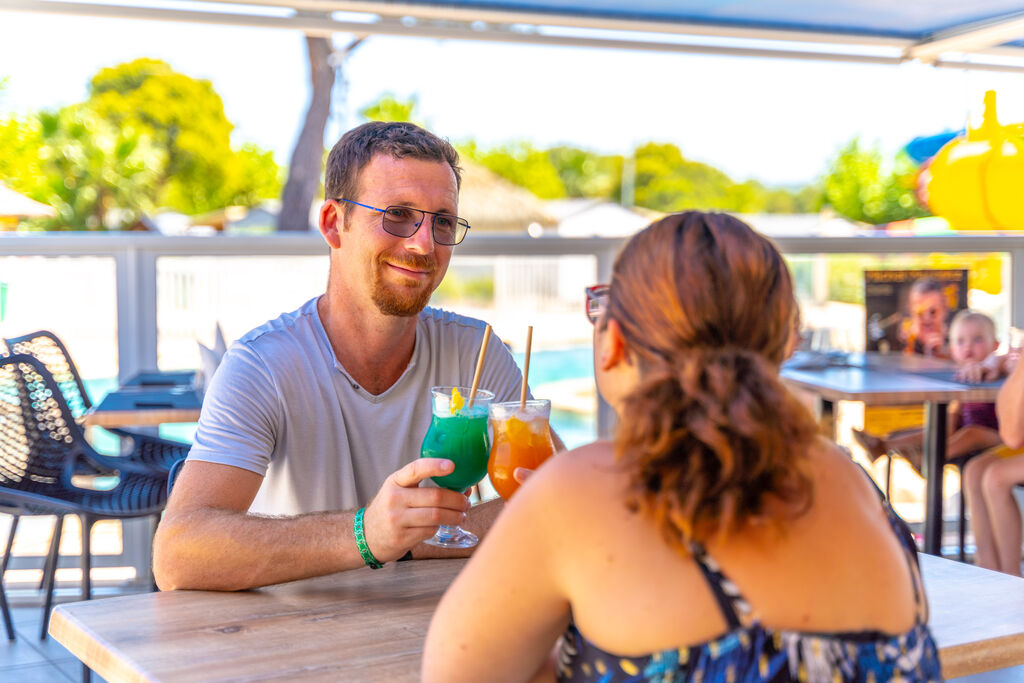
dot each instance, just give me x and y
(597, 301)
(404, 221)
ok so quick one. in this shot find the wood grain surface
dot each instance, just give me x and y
(369, 625)
(150, 417)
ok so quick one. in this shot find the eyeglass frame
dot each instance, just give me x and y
(596, 301)
(434, 214)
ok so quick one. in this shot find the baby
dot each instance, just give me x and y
(972, 426)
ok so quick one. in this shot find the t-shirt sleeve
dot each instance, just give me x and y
(241, 414)
(500, 373)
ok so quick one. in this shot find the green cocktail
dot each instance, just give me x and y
(458, 432)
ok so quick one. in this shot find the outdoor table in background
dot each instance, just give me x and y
(366, 625)
(895, 379)
(148, 399)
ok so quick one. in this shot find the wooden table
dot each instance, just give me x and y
(369, 625)
(977, 616)
(148, 399)
(896, 379)
(141, 417)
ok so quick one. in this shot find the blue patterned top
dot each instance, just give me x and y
(751, 652)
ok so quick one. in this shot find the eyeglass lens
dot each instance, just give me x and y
(402, 221)
(597, 297)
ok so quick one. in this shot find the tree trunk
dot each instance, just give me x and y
(308, 155)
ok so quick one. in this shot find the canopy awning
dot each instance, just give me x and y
(982, 34)
(16, 205)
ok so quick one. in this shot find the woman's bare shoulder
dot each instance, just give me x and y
(835, 473)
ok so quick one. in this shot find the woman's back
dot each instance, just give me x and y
(839, 568)
(836, 567)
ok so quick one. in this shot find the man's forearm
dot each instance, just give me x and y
(216, 549)
(479, 520)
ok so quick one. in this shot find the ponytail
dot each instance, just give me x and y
(708, 437)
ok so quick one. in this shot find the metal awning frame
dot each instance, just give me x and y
(976, 46)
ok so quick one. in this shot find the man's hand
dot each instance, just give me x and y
(402, 514)
(933, 343)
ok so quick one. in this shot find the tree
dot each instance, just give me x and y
(522, 164)
(389, 108)
(185, 118)
(147, 137)
(863, 187)
(307, 160)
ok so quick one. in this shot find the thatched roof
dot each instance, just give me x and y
(490, 203)
(16, 205)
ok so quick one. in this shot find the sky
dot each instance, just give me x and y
(777, 121)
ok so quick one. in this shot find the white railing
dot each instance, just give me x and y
(135, 257)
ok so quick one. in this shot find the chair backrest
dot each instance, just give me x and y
(172, 475)
(38, 435)
(45, 346)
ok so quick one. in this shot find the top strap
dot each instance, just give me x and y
(734, 607)
(906, 539)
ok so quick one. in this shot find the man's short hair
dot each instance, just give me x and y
(398, 139)
(926, 286)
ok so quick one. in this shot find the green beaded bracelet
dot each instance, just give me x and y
(364, 550)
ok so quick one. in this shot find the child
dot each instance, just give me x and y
(972, 426)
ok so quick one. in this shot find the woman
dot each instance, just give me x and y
(718, 537)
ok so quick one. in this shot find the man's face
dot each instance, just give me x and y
(398, 274)
(928, 311)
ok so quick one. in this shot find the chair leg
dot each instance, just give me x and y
(10, 544)
(54, 553)
(888, 477)
(4, 607)
(50, 572)
(87, 522)
(963, 522)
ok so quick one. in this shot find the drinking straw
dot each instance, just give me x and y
(526, 367)
(479, 366)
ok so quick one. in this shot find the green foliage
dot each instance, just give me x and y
(390, 108)
(861, 186)
(465, 285)
(663, 179)
(146, 137)
(586, 174)
(185, 117)
(522, 164)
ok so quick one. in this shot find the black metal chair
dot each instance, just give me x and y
(153, 452)
(959, 462)
(42, 448)
(159, 454)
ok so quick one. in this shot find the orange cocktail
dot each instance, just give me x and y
(522, 438)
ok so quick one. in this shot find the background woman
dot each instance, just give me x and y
(718, 537)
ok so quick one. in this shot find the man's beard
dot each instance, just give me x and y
(398, 300)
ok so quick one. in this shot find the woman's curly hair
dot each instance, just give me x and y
(706, 305)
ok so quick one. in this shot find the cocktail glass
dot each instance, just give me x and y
(458, 432)
(522, 438)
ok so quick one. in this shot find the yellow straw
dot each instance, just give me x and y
(479, 366)
(526, 367)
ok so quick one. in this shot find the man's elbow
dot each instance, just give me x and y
(169, 567)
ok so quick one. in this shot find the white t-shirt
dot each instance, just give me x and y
(281, 405)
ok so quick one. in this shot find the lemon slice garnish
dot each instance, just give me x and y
(457, 401)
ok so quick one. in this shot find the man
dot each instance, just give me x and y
(925, 331)
(322, 410)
